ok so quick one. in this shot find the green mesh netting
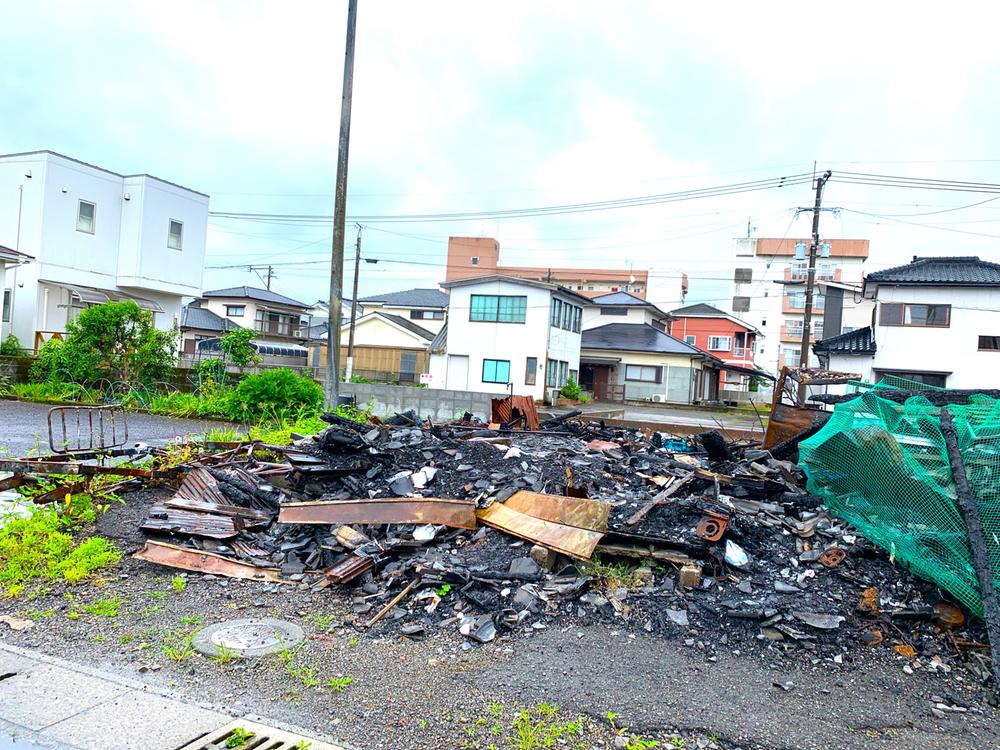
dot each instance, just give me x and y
(883, 467)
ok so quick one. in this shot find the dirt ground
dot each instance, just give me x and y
(442, 692)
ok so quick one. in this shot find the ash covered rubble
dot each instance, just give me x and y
(499, 533)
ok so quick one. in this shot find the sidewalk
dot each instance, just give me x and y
(56, 705)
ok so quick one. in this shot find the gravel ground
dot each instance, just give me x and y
(437, 693)
(25, 427)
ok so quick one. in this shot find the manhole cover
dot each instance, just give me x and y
(248, 637)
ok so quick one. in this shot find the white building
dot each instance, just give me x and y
(95, 236)
(768, 291)
(504, 331)
(937, 321)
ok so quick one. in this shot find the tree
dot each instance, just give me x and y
(235, 345)
(115, 339)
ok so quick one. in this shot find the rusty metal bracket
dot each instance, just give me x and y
(712, 526)
(73, 429)
(832, 557)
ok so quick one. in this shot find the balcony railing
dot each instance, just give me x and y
(739, 352)
(285, 330)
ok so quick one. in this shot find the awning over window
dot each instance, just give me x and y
(586, 359)
(91, 296)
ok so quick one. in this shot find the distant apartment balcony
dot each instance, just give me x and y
(796, 304)
(272, 329)
(792, 334)
(740, 352)
(799, 274)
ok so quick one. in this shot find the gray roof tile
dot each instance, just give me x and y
(411, 298)
(252, 292)
(635, 337)
(942, 271)
(204, 320)
(858, 341)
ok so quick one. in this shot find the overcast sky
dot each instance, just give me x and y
(470, 106)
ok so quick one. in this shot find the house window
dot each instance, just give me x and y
(175, 234)
(614, 311)
(474, 260)
(720, 343)
(918, 316)
(567, 317)
(573, 376)
(590, 288)
(236, 311)
(530, 370)
(6, 306)
(690, 340)
(986, 343)
(826, 271)
(555, 313)
(407, 366)
(796, 300)
(86, 214)
(741, 304)
(426, 314)
(555, 373)
(496, 371)
(799, 271)
(743, 275)
(644, 374)
(936, 379)
(578, 320)
(614, 289)
(637, 289)
(493, 308)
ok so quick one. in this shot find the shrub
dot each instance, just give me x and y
(235, 345)
(11, 347)
(212, 369)
(54, 391)
(571, 390)
(272, 395)
(117, 339)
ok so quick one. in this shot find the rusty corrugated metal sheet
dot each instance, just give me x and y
(197, 561)
(580, 512)
(459, 514)
(569, 540)
(503, 410)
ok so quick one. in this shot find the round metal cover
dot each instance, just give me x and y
(257, 637)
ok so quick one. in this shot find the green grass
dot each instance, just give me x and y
(178, 644)
(339, 684)
(178, 583)
(239, 737)
(222, 435)
(279, 432)
(106, 607)
(611, 575)
(39, 547)
(224, 654)
(54, 391)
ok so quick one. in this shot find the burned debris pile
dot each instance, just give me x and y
(428, 527)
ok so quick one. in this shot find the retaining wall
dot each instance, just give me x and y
(439, 404)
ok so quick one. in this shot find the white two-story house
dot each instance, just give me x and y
(94, 235)
(508, 333)
(936, 321)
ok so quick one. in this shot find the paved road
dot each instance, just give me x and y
(24, 426)
(706, 418)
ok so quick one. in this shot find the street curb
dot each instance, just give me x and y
(134, 684)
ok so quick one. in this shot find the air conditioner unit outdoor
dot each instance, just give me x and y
(658, 398)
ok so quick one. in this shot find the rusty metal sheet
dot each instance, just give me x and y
(12, 482)
(786, 422)
(192, 523)
(580, 512)
(569, 540)
(51, 465)
(198, 484)
(459, 514)
(197, 561)
(58, 493)
(349, 568)
(514, 408)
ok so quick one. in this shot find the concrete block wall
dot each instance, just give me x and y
(440, 404)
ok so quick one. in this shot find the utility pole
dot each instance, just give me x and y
(354, 306)
(339, 214)
(811, 280)
(269, 274)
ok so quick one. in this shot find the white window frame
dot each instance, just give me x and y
(180, 235)
(240, 314)
(93, 217)
(644, 373)
(717, 347)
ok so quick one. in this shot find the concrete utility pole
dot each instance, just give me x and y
(269, 275)
(339, 214)
(811, 279)
(354, 306)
